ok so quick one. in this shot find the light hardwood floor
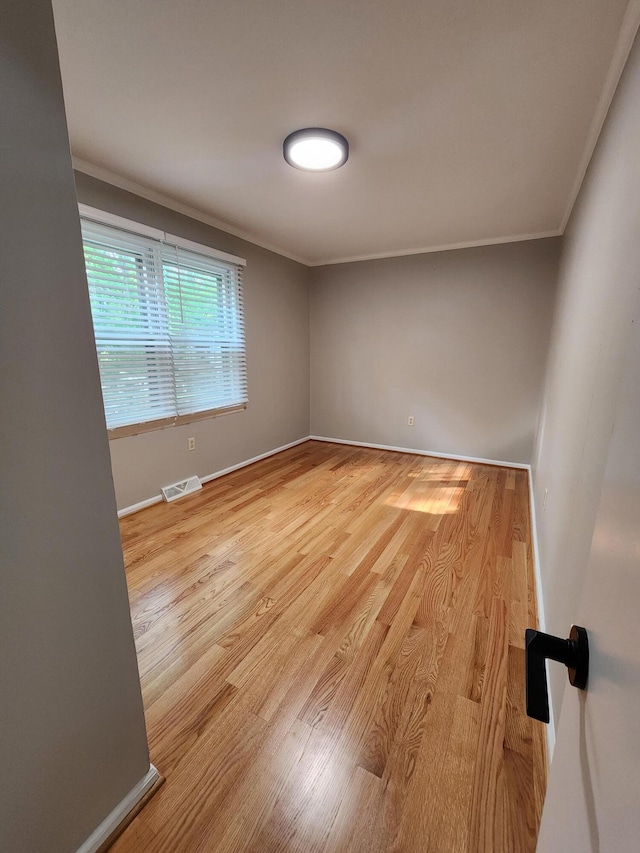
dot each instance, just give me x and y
(331, 648)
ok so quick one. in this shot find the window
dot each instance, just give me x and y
(169, 326)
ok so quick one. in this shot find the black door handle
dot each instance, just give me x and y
(573, 653)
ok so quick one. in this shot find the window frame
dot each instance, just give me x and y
(112, 220)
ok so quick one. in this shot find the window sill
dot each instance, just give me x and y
(163, 423)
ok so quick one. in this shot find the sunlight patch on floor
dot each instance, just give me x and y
(444, 503)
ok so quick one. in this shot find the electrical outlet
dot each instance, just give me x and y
(191, 443)
(410, 420)
(544, 502)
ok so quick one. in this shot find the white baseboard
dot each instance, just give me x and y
(113, 820)
(422, 452)
(244, 464)
(551, 727)
(129, 510)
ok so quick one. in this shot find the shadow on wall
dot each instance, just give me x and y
(585, 772)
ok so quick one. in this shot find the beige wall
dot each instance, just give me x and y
(457, 339)
(277, 330)
(598, 289)
(72, 735)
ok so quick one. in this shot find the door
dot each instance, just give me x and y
(593, 796)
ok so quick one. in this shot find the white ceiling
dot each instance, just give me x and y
(470, 121)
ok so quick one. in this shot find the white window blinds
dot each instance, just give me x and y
(169, 328)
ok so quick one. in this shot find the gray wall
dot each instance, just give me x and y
(277, 330)
(72, 735)
(457, 339)
(598, 290)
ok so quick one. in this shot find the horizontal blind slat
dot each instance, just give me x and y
(169, 327)
(206, 324)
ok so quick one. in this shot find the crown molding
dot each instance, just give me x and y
(624, 43)
(156, 197)
(446, 247)
(628, 30)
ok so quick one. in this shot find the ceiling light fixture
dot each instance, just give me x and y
(316, 149)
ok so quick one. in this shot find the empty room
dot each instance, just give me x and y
(320, 392)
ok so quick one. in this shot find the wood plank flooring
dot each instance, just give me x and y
(331, 649)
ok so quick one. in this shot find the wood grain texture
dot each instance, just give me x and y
(331, 654)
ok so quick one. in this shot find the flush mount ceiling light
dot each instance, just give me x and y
(315, 149)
